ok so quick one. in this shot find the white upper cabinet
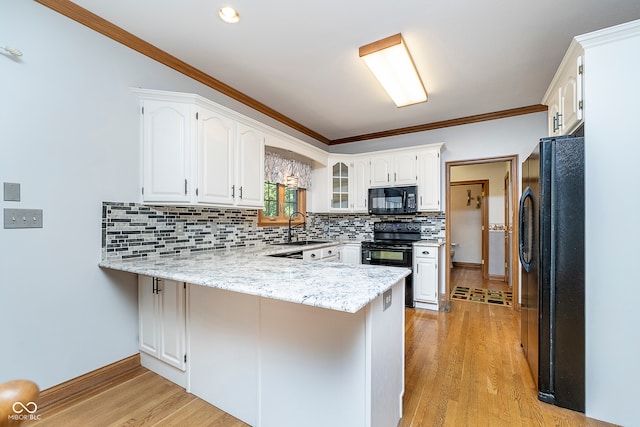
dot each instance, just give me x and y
(397, 168)
(339, 185)
(360, 185)
(348, 184)
(249, 187)
(166, 145)
(429, 195)
(195, 152)
(565, 97)
(216, 146)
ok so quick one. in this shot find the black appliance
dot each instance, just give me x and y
(551, 243)
(393, 245)
(393, 200)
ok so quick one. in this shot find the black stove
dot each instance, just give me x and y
(392, 245)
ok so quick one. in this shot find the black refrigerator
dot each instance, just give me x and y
(551, 247)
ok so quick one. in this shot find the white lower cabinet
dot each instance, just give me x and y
(162, 320)
(350, 253)
(426, 276)
(322, 254)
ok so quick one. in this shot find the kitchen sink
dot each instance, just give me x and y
(301, 243)
(293, 255)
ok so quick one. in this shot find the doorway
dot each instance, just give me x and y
(469, 225)
(498, 198)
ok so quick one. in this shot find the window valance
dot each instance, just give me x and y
(277, 168)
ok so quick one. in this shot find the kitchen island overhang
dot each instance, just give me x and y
(286, 342)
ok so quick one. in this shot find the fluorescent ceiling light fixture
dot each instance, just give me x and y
(391, 63)
(229, 14)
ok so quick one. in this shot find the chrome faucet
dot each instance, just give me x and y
(304, 224)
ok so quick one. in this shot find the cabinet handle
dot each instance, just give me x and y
(420, 200)
(241, 192)
(387, 177)
(233, 191)
(313, 255)
(330, 252)
(365, 203)
(394, 177)
(425, 252)
(185, 187)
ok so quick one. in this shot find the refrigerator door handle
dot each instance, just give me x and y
(527, 194)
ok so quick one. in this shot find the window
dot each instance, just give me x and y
(280, 203)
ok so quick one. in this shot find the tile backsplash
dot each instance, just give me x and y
(131, 230)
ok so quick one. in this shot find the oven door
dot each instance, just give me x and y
(400, 257)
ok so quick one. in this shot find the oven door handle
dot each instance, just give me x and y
(404, 200)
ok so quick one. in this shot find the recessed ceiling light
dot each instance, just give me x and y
(229, 14)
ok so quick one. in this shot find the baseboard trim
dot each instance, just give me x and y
(90, 380)
(467, 265)
(497, 277)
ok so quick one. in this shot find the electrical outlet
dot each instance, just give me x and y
(386, 300)
(22, 218)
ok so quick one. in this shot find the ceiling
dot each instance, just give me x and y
(300, 58)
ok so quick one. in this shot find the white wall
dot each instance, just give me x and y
(466, 224)
(494, 173)
(612, 91)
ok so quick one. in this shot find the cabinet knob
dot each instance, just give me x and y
(425, 252)
(313, 255)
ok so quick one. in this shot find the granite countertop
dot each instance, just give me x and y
(332, 285)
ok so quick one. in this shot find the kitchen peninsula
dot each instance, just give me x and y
(286, 342)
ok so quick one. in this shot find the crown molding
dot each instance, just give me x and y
(443, 124)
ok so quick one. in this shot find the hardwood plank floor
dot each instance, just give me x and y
(472, 277)
(462, 368)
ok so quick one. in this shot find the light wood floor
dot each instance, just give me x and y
(472, 277)
(463, 368)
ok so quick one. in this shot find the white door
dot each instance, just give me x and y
(426, 279)
(381, 173)
(404, 170)
(166, 151)
(429, 181)
(172, 319)
(360, 184)
(147, 308)
(250, 163)
(215, 158)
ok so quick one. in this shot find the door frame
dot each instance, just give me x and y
(508, 237)
(513, 171)
(484, 244)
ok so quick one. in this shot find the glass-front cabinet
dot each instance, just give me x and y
(340, 186)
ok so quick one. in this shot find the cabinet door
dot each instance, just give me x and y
(172, 319)
(147, 308)
(426, 277)
(350, 254)
(554, 115)
(166, 148)
(360, 185)
(250, 161)
(339, 185)
(404, 168)
(215, 158)
(429, 180)
(571, 97)
(381, 173)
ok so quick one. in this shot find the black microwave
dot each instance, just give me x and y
(393, 200)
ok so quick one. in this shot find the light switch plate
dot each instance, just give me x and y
(11, 192)
(22, 218)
